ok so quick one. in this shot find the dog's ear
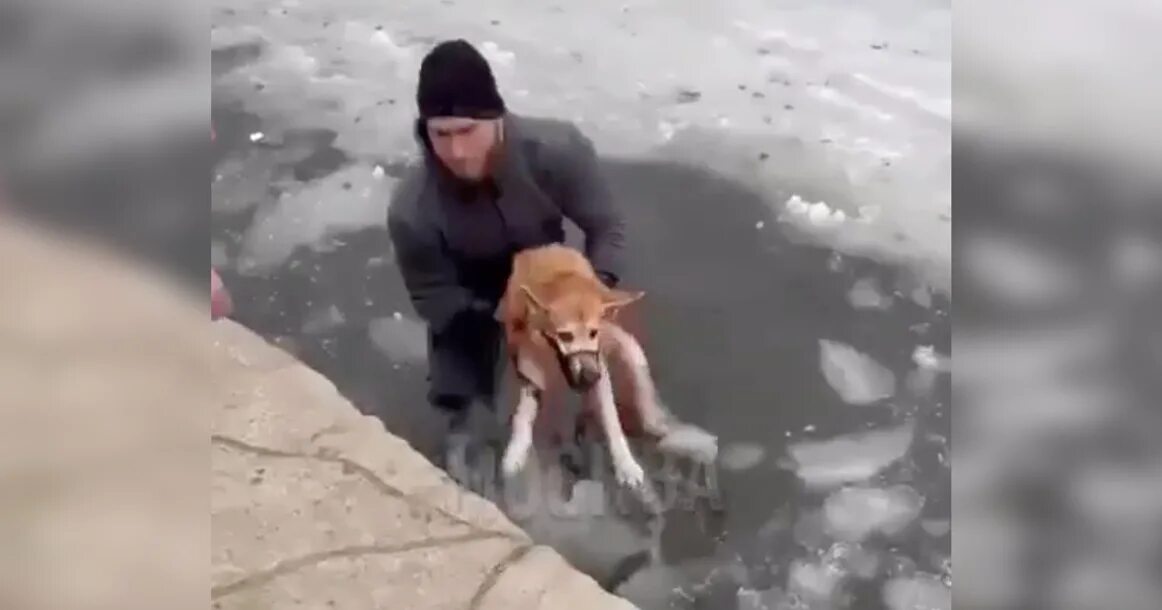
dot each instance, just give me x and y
(537, 305)
(614, 300)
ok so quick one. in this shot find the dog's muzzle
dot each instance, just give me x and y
(582, 370)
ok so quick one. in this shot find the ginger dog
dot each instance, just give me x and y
(557, 314)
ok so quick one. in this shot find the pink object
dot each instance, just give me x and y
(221, 305)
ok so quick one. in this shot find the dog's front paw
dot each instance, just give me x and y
(629, 473)
(514, 460)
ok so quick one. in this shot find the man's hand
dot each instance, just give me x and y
(221, 305)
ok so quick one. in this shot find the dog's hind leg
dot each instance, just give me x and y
(600, 400)
(627, 354)
(673, 436)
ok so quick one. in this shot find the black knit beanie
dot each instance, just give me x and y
(456, 80)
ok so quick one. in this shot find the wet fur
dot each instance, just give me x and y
(557, 283)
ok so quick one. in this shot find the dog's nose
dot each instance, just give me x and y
(588, 377)
(583, 373)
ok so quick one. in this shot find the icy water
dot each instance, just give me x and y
(820, 373)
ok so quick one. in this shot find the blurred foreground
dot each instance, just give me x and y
(1057, 253)
(105, 379)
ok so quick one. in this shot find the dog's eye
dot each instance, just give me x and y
(565, 336)
(593, 333)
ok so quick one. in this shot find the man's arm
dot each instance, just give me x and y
(428, 274)
(587, 201)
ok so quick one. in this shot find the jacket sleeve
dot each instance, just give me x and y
(428, 274)
(587, 200)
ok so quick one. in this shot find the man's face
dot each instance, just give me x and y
(464, 145)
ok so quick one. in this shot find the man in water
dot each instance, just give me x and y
(491, 183)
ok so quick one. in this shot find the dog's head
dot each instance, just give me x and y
(570, 321)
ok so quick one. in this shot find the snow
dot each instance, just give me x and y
(856, 377)
(843, 102)
(854, 513)
(851, 458)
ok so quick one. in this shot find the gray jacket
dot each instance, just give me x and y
(454, 245)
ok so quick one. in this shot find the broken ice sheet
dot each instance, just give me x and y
(741, 456)
(324, 320)
(853, 375)
(851, 458)
(866, 294)
(921, 592)
(853, 559)
(814, 582)
(925, 356)
(854, 513)
(402, 340)
(691, 441)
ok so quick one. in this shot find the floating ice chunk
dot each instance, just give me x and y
(691, 441)
(921, 592)
(854, 513)
(377, 172)
(852, 558)
(922, 297)
(741, 456)
(854, 376)
(256, 136)
(759, 224)
(323, 321)
(851, 458)
(866, 294)
(402, 340)
(926, 357)
(814, 582)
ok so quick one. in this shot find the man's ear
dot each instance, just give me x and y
(616, 299)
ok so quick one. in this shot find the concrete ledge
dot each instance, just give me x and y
(109, 379)
(315, 505)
